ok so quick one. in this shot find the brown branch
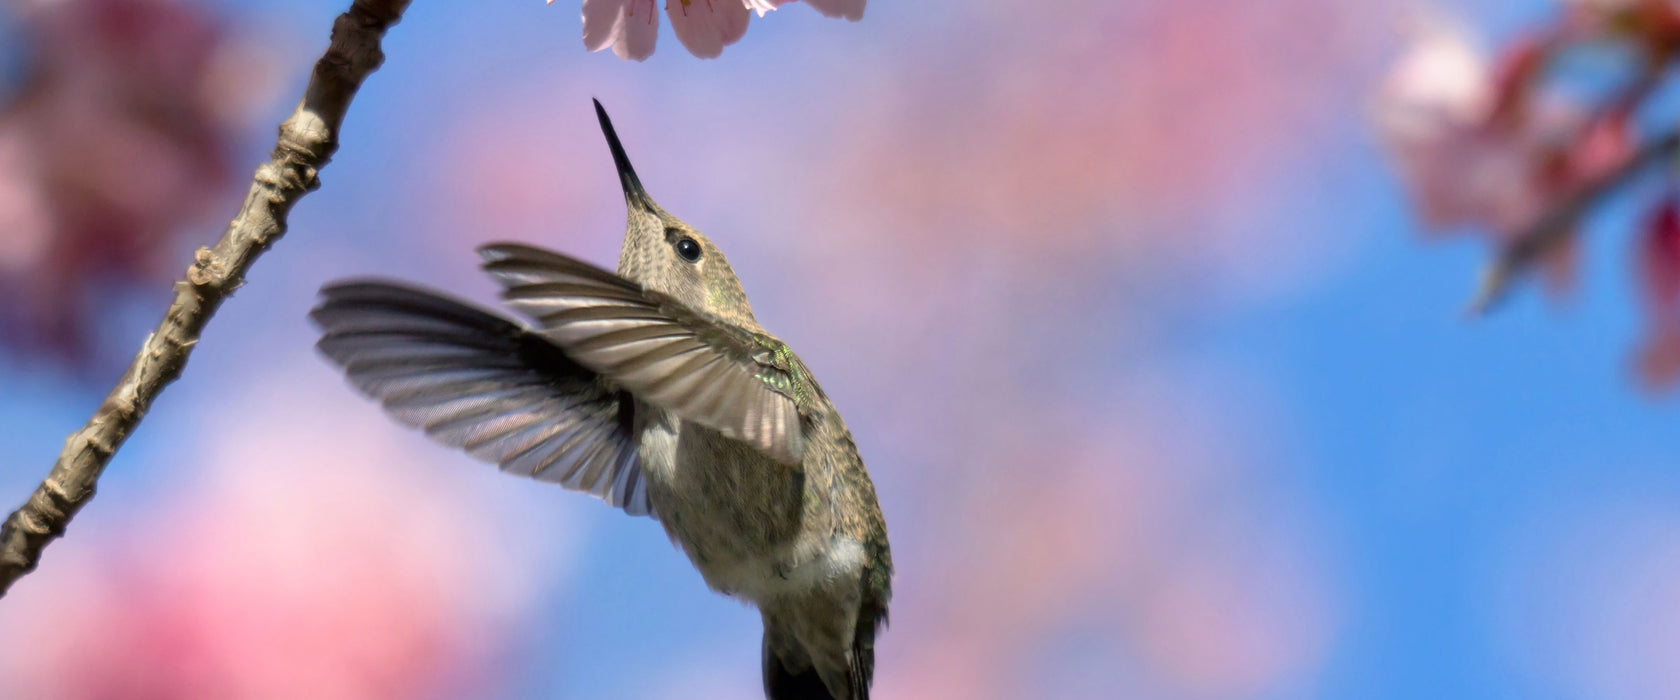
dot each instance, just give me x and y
(307, 141)
(1559, 223)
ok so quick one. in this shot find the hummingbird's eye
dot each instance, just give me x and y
(688, 249)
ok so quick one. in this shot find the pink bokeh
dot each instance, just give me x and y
(114, 143)
(327, 568)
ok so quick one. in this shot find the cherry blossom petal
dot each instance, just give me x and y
(706, 26)
(639, 31)
(601, 22)
(630, 27)
(849, 9)
(763, 6)
(1440, 81)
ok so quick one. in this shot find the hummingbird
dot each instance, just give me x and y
(656, 390)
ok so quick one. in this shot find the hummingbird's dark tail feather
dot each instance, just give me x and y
(863, 648)
(783, 684)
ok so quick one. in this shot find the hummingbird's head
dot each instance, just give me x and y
(664, 254)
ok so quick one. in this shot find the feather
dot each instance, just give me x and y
(664, 353)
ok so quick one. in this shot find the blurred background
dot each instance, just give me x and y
(1163, 394)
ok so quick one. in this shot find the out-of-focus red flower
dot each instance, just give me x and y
(1658, 259)
(116, 139)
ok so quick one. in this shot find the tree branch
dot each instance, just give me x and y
(307, 141)
(1557, 224)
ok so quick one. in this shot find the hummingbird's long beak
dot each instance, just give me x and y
(634, 194)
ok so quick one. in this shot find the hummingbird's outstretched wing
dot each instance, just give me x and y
(742, 384)
(474, 380)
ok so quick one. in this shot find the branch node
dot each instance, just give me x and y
(204, 269)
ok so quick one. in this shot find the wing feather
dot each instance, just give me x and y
(473, 380)
(669, 355)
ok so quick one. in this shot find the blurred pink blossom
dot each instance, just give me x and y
(115, 141)
(1034, 154)
(1515, 152)
(1138, 545)
(340, 568)
(1434, 111)
(1486, 146)
(1019, 156)
(631, 27)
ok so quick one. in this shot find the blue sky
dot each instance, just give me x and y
(1454, 473)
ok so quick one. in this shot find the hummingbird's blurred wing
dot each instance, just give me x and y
(726, 378)
(474, 380)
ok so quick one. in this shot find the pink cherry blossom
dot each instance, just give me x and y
(1429, 111)
(1509, 149)
(1490, 146)
(631, 27)
(1482, 146)
(706, 26)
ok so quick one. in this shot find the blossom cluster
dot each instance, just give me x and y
(1521, 146)
(631, 27)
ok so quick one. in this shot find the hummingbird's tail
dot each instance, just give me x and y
(795, 670)
(783, 683)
